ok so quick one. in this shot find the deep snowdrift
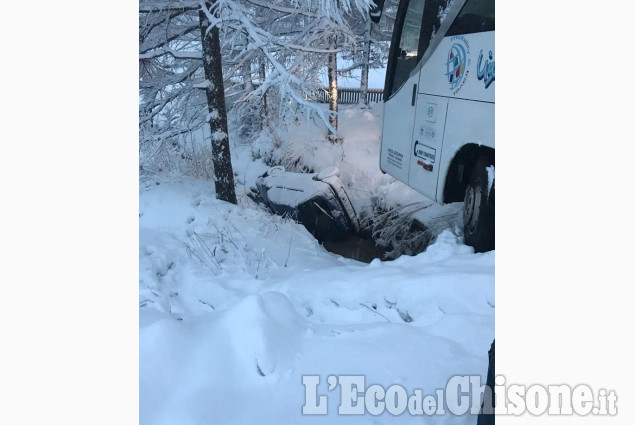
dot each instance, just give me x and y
(236, 305)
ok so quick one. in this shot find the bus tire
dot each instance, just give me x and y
(478, 212)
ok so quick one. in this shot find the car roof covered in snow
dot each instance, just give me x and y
(293, 189)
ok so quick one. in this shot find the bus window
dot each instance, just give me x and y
(431, 22)
(407, 53)
(414, 32)
(475, 16)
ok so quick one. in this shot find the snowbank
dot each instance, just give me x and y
(236, 305)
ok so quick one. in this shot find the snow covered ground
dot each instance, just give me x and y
(236, 305)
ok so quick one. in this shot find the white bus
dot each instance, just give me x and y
(438, 129)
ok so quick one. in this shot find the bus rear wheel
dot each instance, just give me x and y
(478, 209)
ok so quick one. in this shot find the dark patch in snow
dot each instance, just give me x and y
(260, 372)
(356, 247)
(207, 304)
(405, 316)
(377, 313)
(335, 302)
(144, 303)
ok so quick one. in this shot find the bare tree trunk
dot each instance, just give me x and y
(332, 71)
(215, 91)
(366, 65)
(264, 121)
(246, 76)
(250, 121)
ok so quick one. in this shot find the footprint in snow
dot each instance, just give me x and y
(196, 199)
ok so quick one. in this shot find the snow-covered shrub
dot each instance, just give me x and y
(226, 250)
(186, 155)
(397, 230)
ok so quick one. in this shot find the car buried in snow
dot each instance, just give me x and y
(318, 201)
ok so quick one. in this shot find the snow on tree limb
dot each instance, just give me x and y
(288, 39)
(174, 53)
(290, 10)
(152, 6)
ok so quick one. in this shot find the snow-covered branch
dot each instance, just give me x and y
(289, 10)
(283, 44)
(176, 5)
(174, 53)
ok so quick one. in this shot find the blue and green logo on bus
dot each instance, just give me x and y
(457, 63)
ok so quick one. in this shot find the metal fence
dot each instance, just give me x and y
(345, 95)
(348, 96)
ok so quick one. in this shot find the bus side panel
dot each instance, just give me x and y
(399, 117)
(454, 69)
(479, 130)
(427, 140)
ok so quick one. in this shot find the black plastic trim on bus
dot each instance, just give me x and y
(458, 98)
